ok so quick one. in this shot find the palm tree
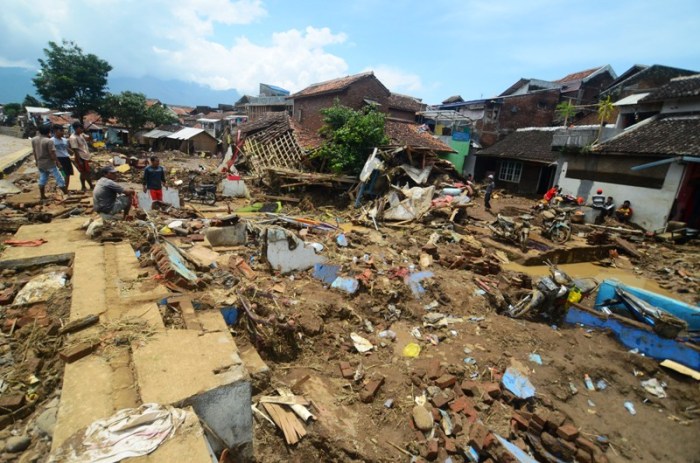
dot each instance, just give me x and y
(567, 110)
(605, 110)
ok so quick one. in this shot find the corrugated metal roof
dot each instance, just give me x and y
(156, 133)
(186, 133)
(208, 120)
(630, 100)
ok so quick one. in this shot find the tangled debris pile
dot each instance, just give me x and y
(380, 326)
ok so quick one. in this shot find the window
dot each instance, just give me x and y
(510, 171)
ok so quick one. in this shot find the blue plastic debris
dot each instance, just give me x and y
(230, 315)
(138, 254)
(327, 273)
(472, 454)
(349, 285)
(470, 360)
(413, 281)
(342, 240)
(518, 384)
(535, 358)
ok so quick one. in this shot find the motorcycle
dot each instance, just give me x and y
(552, 293)
(205, 193)
(556, 225)
(506, 228)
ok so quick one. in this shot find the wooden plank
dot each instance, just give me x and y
(675, 366)
(21, 264)
(79, 324)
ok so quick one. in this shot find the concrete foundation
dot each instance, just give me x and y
(192, 367)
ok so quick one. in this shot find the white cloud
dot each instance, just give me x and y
(396, 79)
(176, 39)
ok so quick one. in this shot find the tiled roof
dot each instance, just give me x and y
(332, 86)
(453, 99)
(671, 136)
(527, 145)
(405, 102)
(274, 124)
(679, 87)
(578, 75)
(406, 133)
(181, 110)
(655, 75)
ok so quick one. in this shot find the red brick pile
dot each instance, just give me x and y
(549, 435)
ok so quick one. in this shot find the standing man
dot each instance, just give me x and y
(81, 154)
(61, 146)
(110, 198)
(489, 189)
(154, 179)
(45, 157)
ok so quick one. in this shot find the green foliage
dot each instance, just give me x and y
(30, 100)
(159, 115)
(70, 79)
(566, 110)
(11, 111)
(351, 135)
(131, 110)
(605, 109)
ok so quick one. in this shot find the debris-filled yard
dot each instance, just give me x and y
(394, 317)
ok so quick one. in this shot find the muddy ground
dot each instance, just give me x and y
(464, 257)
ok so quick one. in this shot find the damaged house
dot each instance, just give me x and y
(652, 163)
(523, 162)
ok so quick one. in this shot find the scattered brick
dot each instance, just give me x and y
(554, 420)
(568, 449)
(434, 370)
(520, 420)
(77, 352)
(535, 428)
(8, 295)
(585, 444)
(457, 425)
(599, 457)
(416, 381)
(432, 452)
(493, 390)
(583, 457)
(10, 403)
(490, 440)
(440, 400)
(477, 436)
(540, 418)
(370, 390)
(346, 370)
(551, 443)
(567, 432)
(436, 414)
(460, 404)
(445, 381)
(470, 388)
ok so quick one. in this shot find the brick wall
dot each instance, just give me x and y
(307, 110)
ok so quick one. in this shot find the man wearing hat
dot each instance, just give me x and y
(110, 198)
(489, 189)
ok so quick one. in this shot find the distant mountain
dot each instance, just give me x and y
(15, 83)
(175, 92)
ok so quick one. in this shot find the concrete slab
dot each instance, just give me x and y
(63, 236)
(186, 367)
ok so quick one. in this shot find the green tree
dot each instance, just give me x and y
(11, 111)
(351, 135)
(70, 79)
(30, 100)
(567, 110)
(605, 110)
(131, 110)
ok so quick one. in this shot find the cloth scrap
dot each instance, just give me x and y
(131, 432)
(25, 243)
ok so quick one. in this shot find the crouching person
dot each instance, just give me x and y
(109, 197)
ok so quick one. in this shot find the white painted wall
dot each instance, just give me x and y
(651, 206)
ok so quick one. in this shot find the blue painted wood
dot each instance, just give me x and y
(689, 313)
(633, 337)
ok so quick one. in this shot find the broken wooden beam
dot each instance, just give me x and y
(79, 324)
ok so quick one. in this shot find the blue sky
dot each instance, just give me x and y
(429, 49)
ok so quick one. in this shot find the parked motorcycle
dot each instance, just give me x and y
(552, 293)
(556, 224)
(506, 228)
(205, 193)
